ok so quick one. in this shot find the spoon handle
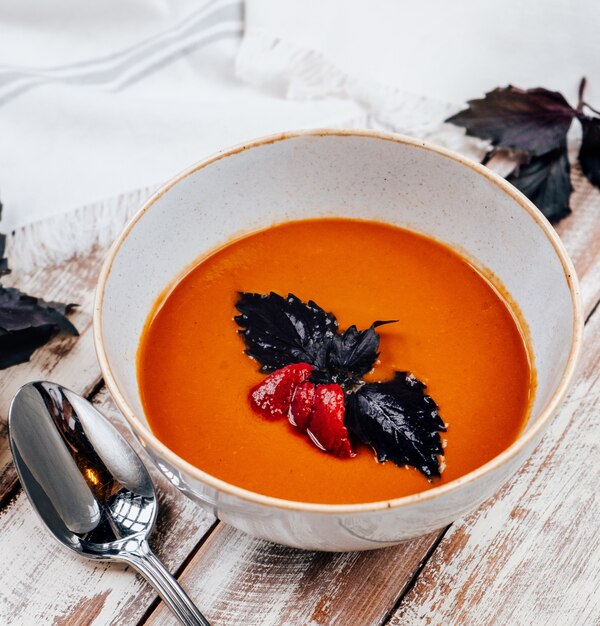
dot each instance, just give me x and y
(152, 569)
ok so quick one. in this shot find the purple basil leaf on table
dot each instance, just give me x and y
(589, 153)
(4, 269)
(533, 120)
(17, 347)
(27, 323)
(546, 181)
(400, 421)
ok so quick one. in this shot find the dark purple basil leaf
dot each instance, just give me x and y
(18, 346)
(354, 352)
(279, 331)
(26, 323)
(400, 421)
(589, 153)
(546, 181)
(4, 269)
(19, 311)
(533, 120)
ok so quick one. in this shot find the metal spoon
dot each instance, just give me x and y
(88, 485)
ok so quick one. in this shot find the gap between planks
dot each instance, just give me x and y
(179, 571)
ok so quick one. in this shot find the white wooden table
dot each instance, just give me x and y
(530, 555)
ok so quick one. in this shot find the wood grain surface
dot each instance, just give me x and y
(236, 576)
(531, 555)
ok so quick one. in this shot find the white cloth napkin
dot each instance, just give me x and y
(98, 98)
(410, 62)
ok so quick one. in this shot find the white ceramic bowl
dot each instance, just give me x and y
(352, 174)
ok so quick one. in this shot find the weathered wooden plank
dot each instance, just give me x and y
(238, 579)
(41, 582)
(531, 555)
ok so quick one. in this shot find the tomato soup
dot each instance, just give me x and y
(454, 331)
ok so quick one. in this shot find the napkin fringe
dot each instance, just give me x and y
(301, 74)
(55, 239)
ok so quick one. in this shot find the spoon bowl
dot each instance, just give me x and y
(88, 485)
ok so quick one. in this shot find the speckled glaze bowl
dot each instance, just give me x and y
(359, 174)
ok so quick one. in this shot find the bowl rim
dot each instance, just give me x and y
(526, 437)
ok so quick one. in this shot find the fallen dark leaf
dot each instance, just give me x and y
(400, 421)
(546, 181)
(4, 269)
(589, 153)
(18, 346)
(533, 120)
(26, 323)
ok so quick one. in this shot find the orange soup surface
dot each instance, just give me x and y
(454, 332)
